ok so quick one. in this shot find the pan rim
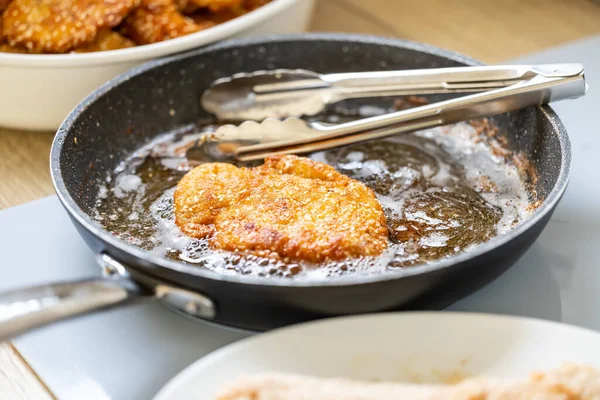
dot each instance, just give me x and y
(95, 229)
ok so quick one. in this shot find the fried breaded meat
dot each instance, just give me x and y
(7, 48)
(78, 26)
(56, 26)
(189, 6)
(158, 20)
(569, 382)
(106, 40)
(217, 5)
(4, 4)
(254, 4)
(291, 206)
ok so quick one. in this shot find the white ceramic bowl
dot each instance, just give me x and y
(38, 91)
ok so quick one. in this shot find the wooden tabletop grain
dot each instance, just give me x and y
(491, 31)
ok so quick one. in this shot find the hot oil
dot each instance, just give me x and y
(443, 192)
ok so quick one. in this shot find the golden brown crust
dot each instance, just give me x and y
(57, 26)
(189, 6)
(254, 4)
(214, 18)
(218, 11)
(106, 40)
(61, 26)
(293, 206)
(158, 20)
(570, 382)
(7, 48)
(3, 5)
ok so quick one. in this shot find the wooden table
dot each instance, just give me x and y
(492, 31)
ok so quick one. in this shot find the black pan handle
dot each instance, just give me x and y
(26, 309)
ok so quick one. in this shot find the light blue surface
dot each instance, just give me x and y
(130, 353)
(559, 277)
(126, 353)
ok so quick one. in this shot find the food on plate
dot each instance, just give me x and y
(157, 20)
(106, 40)
(7, 48)
(291, 206)
(209, 19)
(56, 26)
(569, 382)
(210, 5)
(254, 4)
(77, 26)
(4, 4)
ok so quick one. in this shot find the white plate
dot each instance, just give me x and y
(39, 91)
(428, 346)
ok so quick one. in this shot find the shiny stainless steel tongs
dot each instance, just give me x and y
(501, 89)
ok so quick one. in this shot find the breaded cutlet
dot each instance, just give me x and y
(291, 206)
(569, 382)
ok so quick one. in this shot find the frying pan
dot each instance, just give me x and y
(130, 110)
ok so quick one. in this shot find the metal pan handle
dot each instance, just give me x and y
(26, 309)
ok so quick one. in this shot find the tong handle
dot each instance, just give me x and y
(416, 81)
(536, 91)
(439, 80)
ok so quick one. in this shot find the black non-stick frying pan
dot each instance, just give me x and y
(130, 110)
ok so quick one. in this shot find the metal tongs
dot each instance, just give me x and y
(290, 94)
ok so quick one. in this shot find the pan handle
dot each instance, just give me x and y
(22, 310)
